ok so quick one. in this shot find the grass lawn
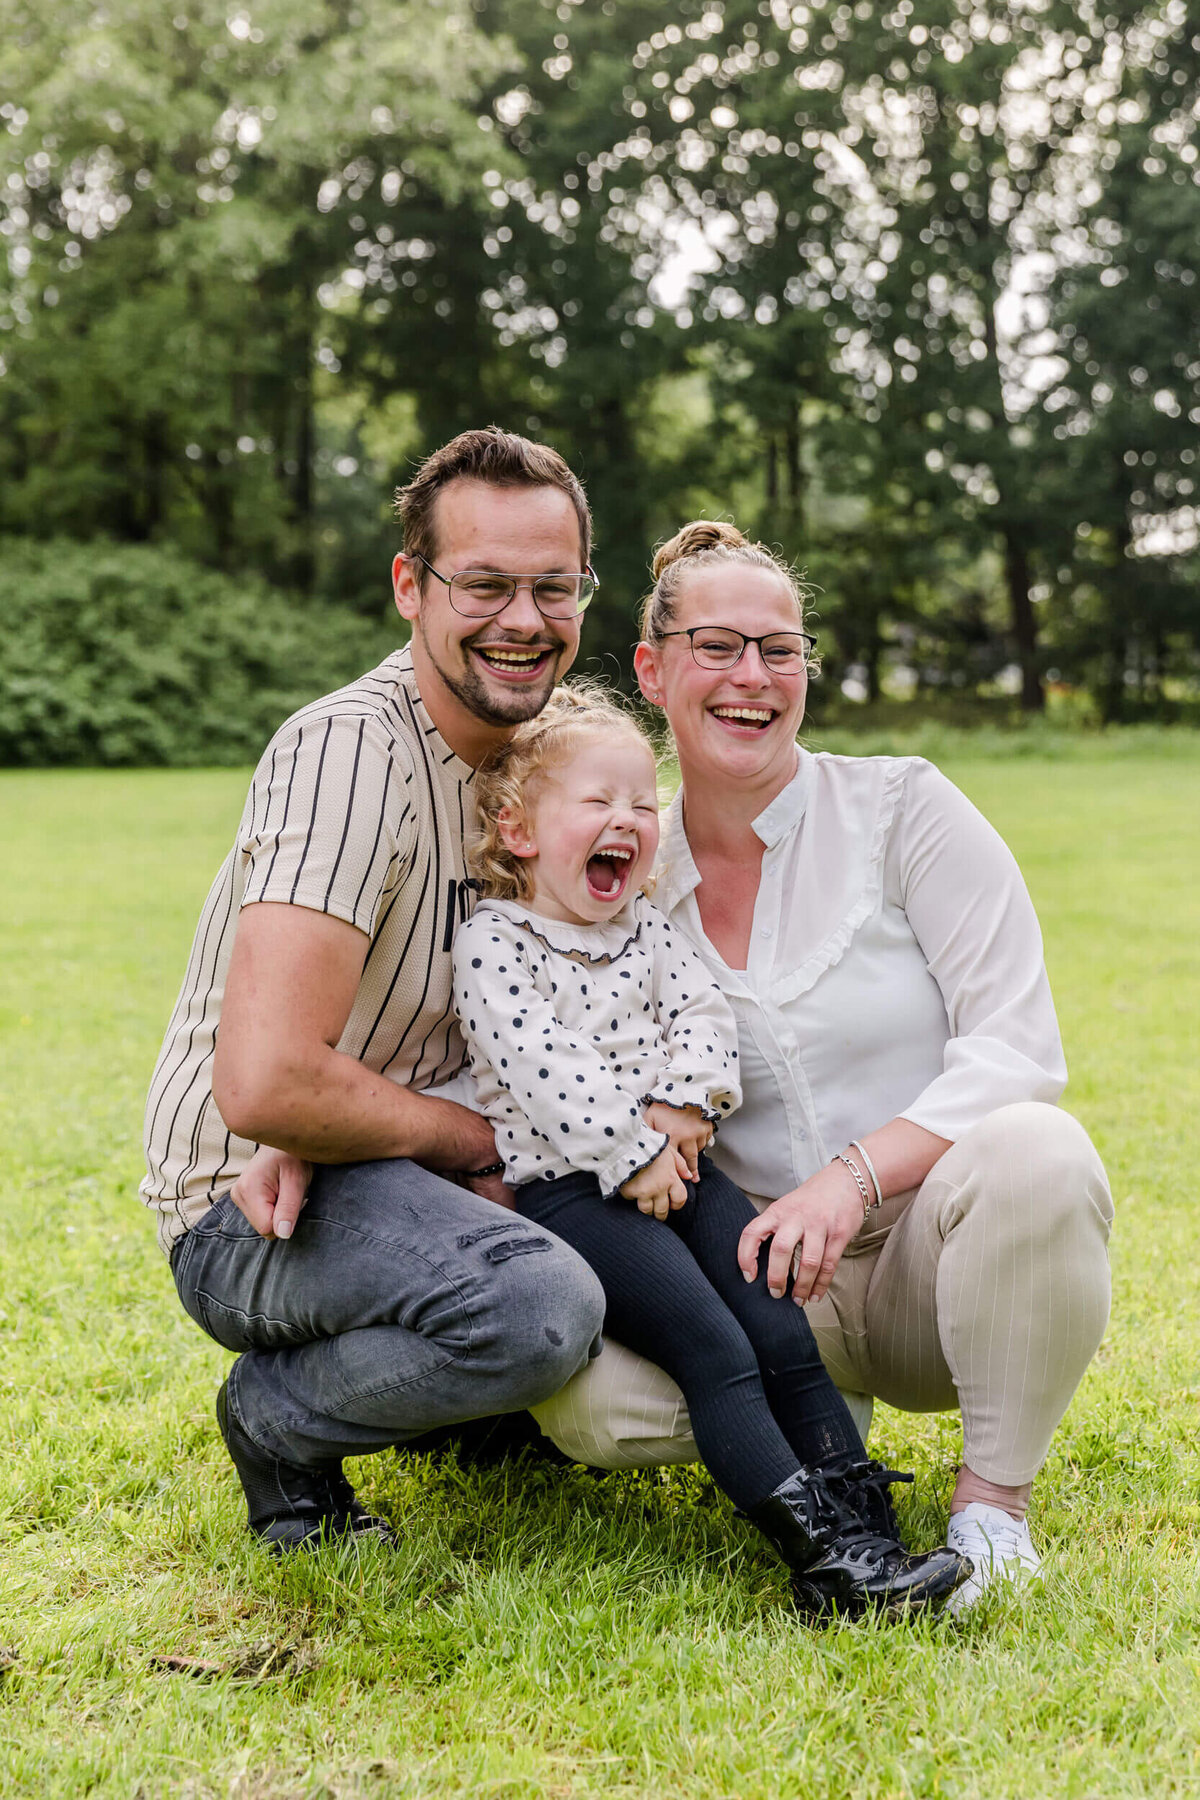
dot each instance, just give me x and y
(563, 1636)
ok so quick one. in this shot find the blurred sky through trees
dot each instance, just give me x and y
(910, 290)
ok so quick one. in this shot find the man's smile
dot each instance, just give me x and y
(515, 661)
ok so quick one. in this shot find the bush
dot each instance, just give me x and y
(130, 654)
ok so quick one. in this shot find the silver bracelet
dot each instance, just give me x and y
(858, 1177)
(870, 1167)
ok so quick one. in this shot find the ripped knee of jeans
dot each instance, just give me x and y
(511, 1246)
(523, 1246)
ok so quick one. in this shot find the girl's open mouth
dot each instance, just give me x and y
(608, 873)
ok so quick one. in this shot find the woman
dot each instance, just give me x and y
(899, 1059)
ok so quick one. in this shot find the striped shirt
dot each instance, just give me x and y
(357, 809)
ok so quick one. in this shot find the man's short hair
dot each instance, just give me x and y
(488, 454)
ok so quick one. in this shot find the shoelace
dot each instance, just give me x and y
(831, 1517)
(1005, 1541)
(863, 1487)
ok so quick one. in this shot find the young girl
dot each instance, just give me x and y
(605, 1057)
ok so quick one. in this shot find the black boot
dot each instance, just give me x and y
(291, 1507)
(487, 1443)
(861, 1484)
(842, 1563)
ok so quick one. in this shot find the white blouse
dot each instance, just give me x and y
(895, 968)
(572, 1029)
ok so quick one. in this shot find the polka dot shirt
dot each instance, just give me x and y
(571, 1029)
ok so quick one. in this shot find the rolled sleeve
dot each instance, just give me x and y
(331, 823)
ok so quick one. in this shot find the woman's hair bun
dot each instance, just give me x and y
(700, 535)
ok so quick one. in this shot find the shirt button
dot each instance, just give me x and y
(765, 931)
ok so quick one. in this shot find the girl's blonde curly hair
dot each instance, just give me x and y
(532, 753)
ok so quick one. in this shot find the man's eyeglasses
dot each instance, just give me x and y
(720, 647)
(480, 593)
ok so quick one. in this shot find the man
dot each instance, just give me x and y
(316, 1017)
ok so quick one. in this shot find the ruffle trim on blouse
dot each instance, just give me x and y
(576, 954)
(709, 1113)
(855, 917)
(609, 1190)
(557, 936)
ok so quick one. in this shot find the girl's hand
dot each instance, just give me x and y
(271, 1190)
(658, 1188)
(821, 1216)
(489, 1187)
(687, 1128)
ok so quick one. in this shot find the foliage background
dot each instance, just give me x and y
(910, 290)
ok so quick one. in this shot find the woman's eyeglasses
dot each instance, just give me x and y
(720, 647)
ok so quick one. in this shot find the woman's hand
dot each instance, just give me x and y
(821, 1216)
(687, 1128)
(658, 1188)
(271, 1190)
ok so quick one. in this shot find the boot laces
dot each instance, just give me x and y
(862, 1484)
(831, 1516)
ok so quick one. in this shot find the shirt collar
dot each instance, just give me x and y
(401, 664)
(599, 943)
(677, 874)
(788, 807)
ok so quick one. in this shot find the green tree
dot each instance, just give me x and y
(1121, 421)
(909, 180)
(181, 202)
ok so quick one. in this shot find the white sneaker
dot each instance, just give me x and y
(999, 1546)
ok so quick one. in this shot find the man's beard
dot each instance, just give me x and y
(494, 709)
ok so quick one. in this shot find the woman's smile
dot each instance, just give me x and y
(746, 720)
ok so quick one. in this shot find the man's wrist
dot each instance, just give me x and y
(457, 1141)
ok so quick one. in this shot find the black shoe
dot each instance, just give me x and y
(486, 1443)
(290, 1507)
(861, 1484)
(840, 1562)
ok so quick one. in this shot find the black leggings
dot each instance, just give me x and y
(760, 1400)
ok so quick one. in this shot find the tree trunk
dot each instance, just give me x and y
(218, 510)
(1024, 624)
(772, 470)
(871, 659)
(303, 558)
(794, 472)
(155, 454)
(1113, 694)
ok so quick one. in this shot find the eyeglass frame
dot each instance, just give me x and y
(689, 631)
(501, 575)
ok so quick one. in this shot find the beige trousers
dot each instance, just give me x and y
(986, 1290)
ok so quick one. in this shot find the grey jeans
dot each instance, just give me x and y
(400, 1303)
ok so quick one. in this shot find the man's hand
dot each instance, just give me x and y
(658, 1188)
(820, 1216)
(271, 1190)
(687, 1128)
